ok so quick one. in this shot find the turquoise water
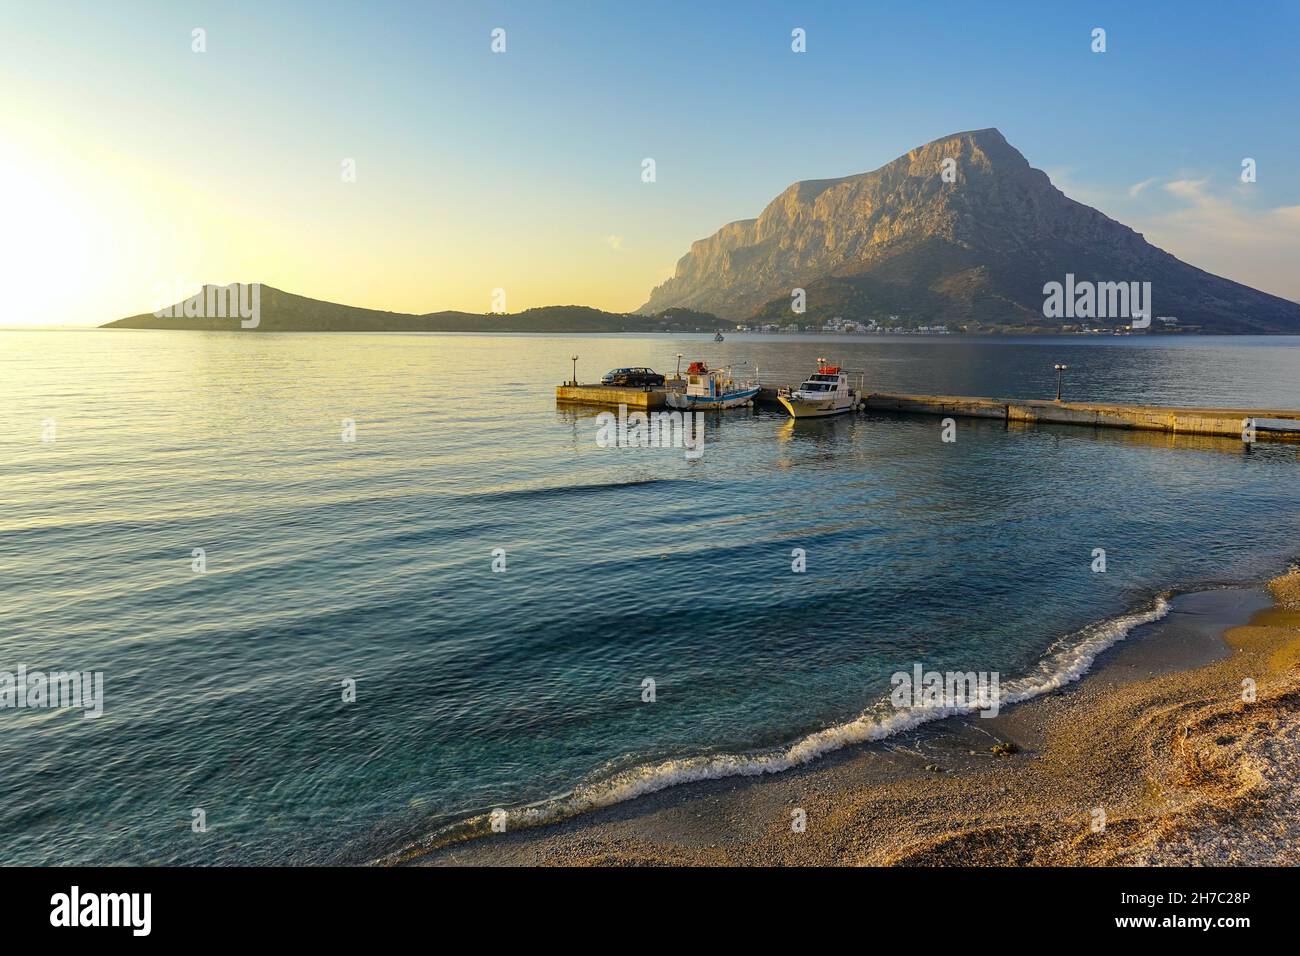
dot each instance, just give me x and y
(371, 560)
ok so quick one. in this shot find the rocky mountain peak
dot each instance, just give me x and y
(961, 228)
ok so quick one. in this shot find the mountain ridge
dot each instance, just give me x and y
(976, 249)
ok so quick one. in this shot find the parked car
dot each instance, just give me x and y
(632, 376)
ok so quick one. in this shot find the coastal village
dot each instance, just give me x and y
(900, 325)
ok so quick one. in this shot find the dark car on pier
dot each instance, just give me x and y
(632, 376)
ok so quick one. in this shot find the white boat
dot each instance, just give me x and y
(711, 388)
(826, 392)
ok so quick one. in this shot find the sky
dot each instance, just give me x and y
(134, 168)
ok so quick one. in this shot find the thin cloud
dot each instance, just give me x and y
(1223, 233)
(1136, 189)
(1193, 190)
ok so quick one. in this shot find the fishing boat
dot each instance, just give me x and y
(712, 388)
(717, 337)
(826, 392)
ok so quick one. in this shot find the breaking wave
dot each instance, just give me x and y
(1068, 659)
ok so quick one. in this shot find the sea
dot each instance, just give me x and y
(354, 593)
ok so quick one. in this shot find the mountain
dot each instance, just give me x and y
(903, 241)
(216, 308)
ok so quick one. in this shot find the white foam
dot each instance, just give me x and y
(1065, 662)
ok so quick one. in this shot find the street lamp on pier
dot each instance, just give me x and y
(574, 360)
(1059, 369)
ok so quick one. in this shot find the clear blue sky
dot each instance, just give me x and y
(522, 170)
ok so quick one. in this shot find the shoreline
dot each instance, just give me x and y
(1154, 739)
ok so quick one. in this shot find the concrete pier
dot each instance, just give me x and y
(635, 398)
(1272, 424)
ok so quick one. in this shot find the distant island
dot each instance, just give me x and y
(281, 311)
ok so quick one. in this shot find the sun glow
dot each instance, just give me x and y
(45, 245)
(89, 235)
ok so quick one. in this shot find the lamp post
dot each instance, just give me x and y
(1059, 369)
(679, 364)
(574, 359)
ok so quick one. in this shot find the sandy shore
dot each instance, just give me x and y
(1157, 738)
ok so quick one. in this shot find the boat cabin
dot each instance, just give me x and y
(827, 378)
(703, 382)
